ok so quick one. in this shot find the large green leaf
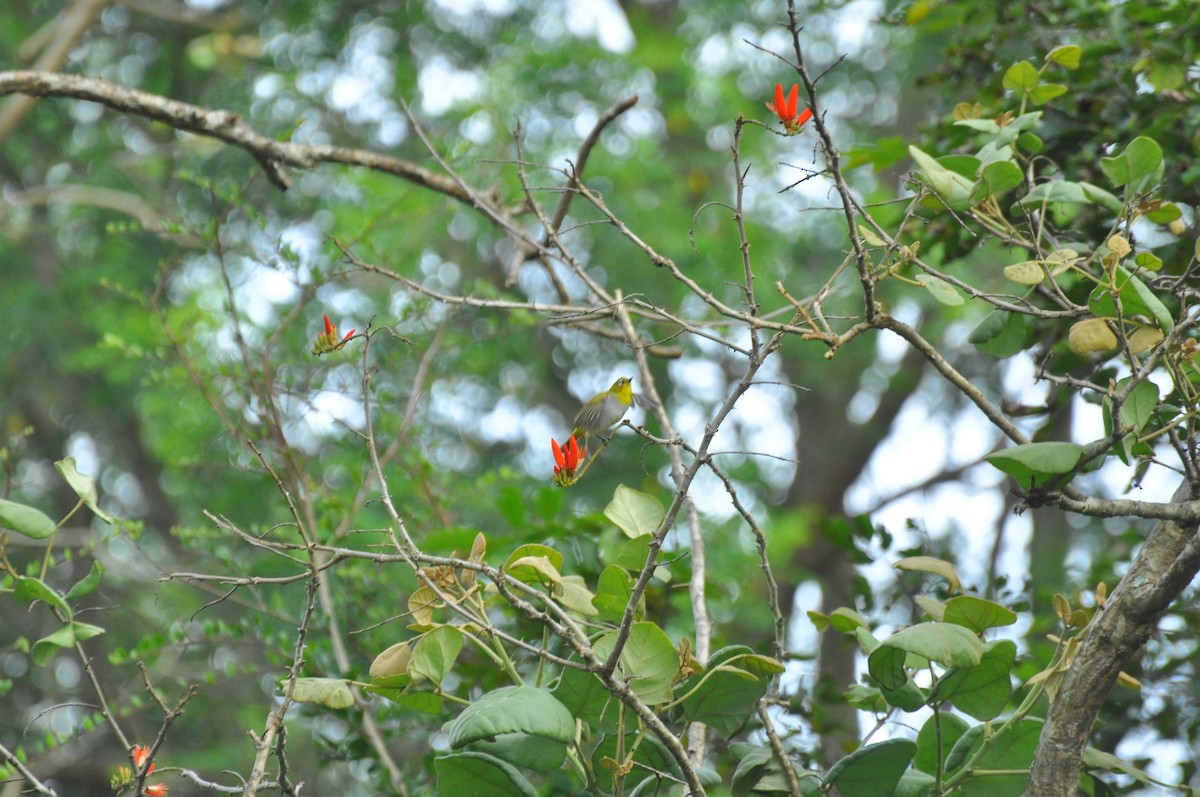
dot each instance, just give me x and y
(944, 643)
(977, 614)
(434, 653)
(1035, 464)
(1010, 750)
(613, 590)
(31, 589)
(25, 520)
(954, 189)
(586, 698)
(524, 750)
(649, 662)
(996, 177)
(981, 691)
(934, 741)
(872, 771)
(634, 513)
(1136, 299)
(1000, 334)
(648, 753)
(726, 693)
(514, 709)
(1139, 164)
(470, 774)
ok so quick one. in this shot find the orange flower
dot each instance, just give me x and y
(157, 790)
(785, 109)
(330, 340)
(566, 459)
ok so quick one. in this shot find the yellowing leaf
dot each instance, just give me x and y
(930, 564)
(1027, 272)
(1144, 338)
(1119, 246)
(1091, 334)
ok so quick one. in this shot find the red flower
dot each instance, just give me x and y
(329, 340)
(139, 757)
(785, 109)
(566, 458)
(140, 753)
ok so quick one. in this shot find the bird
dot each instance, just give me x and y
(603, 411)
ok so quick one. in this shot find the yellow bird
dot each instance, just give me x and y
(603, 411)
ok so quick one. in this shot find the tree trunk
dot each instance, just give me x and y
(1162, 569)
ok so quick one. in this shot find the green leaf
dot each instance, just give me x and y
(728, 690)
(1141, 162)
(915, 783)
(871, 771)
(1136, 299)
(44, 649)
(1139, 405)
(1097, 759)
(1011, 750)
(634, 513)
(1148, 261)
(471, 774)
(553, 557)
(513, 709)
(908, 697)
(25, 520)
(574, 595)
(944, 643)
(328, 692)
(648, 753)
(86, 585)
(952, 728)
(941, 290)
(996, 177)
(977, 614)
(1066, 55)
(535, 570)
(31, 589)
(1055, 191)
(1098, 196)
(1021, 76)
(648, 661)
(981, 691)
(84, 487)
(434, 654)
(586, 697)
(999, 334)
(1046, 92)
(85, 631)
(613, 590)
(389, 687)
(525, 751)
(954, 189)
(1036, 463)
(1165, 214)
